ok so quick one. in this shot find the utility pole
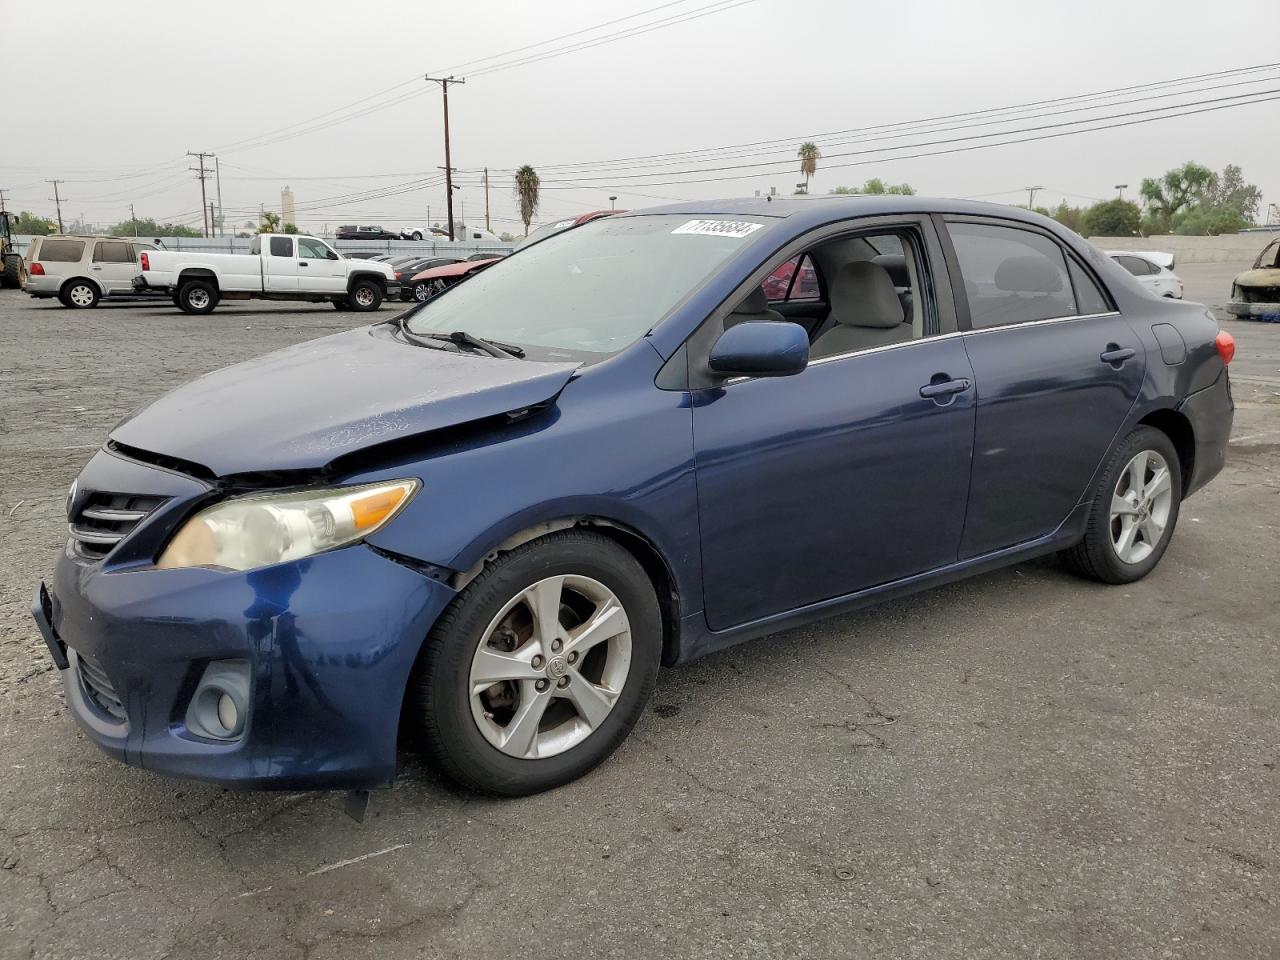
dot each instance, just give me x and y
(488, 228)
(448, 163)
(3, 192)
(204, 175)
(1031, 196)
(57, 200)
(133, 218)
(1120, 188)
(613, 201)
(221, 221)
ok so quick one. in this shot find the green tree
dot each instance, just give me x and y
(28, 223)
(528, 187)
(149, 228)
(877, 187)
(270, 222)
(1174, 192)
(290, 228)
(1111, 218)
(1070, 217)
(1192, 199)
(809, 155)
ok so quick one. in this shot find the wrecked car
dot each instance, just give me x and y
(1256, 292)
(489, 521)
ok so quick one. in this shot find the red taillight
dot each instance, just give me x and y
(1226, 345)
(37, 269)
(399, 274)
(146, 262)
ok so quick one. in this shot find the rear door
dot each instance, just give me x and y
(1057, 370)
(113, 266)
(280, 266)
(316, 270)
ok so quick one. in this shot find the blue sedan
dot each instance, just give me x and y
(491, 519)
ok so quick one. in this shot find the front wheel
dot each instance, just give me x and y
(417, 235)
(198, 297)
(541, 666)
(1134, 511)
(365, 296)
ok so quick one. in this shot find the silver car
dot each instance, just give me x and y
(80, 271)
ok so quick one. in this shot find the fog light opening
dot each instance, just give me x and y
(219, 709)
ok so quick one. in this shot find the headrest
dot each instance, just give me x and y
(1028, 275)
(863, 296)
(754, 302)
(896, 264)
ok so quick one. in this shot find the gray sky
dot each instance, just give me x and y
(108, 96)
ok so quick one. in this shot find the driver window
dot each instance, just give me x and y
(869, 295)
(309, 249)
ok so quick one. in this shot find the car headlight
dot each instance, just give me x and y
(260, 530)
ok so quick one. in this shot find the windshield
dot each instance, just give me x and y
(592, 290)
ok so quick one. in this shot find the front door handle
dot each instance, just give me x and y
(302, 263)
(944, 388)
(1116, 354)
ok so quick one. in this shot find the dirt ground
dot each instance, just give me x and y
(1021, 765)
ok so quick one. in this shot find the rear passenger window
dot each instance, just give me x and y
(1011, 275)
(282, 246)
(1089, 298)
(112, 253)
(61, 251)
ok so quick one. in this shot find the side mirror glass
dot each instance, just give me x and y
(333, 256)
(761, 349)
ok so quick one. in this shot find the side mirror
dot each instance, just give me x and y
(761, 349)
(333, 256)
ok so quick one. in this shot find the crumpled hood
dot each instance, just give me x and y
(302, 407)
(1263, 277)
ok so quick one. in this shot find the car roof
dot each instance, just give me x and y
(820, 209)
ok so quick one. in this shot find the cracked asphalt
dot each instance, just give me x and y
(1021, 765)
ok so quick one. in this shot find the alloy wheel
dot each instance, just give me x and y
(81, 295)
(1140, 506)
(198, 299)
(550, 667)
(364, 296)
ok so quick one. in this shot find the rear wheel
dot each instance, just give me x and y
(541, 666)
(79, 294)
(197, 296)
(365, 296)
(1134, 511)
(417, 235)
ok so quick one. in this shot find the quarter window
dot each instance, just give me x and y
(282, 246)
(1089, 298)
(61, 251)
(1011, 275)
(1135, 265)
(106, 252)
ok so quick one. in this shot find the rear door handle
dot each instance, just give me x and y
(1117, 354)
(945, 388)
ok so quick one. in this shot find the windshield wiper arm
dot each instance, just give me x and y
(505, 351)
(409, 336)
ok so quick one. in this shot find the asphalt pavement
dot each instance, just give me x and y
(1020, 765)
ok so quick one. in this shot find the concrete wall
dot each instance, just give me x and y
(1229, 248)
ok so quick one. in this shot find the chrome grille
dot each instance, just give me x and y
(104, 519)
(97, 687)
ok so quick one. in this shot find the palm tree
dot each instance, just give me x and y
(809, 155)
(270, 222)
(527, 187)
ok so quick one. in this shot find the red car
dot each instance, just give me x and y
(778, 285)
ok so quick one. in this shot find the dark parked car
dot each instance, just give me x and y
(492, 518)
(407, 270)
(438, 278)
(349, 232)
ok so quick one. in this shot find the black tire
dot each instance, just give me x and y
(1095, 557)
(15, 272)
(441, 700)
(79, 294)
(365, 296)
(421, 292)
(198, 297)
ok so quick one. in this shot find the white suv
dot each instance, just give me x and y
(80, 271)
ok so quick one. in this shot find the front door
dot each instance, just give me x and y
(316, 271)
(1057, 370)
(280, 266)
(846, 475)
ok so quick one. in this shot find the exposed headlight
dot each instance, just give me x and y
(257, 531)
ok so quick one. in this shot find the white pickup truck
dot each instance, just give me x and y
(278, 266)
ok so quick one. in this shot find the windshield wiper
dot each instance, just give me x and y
(409, 336)
(494, 348)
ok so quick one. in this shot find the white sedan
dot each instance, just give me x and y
(1153, 270)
